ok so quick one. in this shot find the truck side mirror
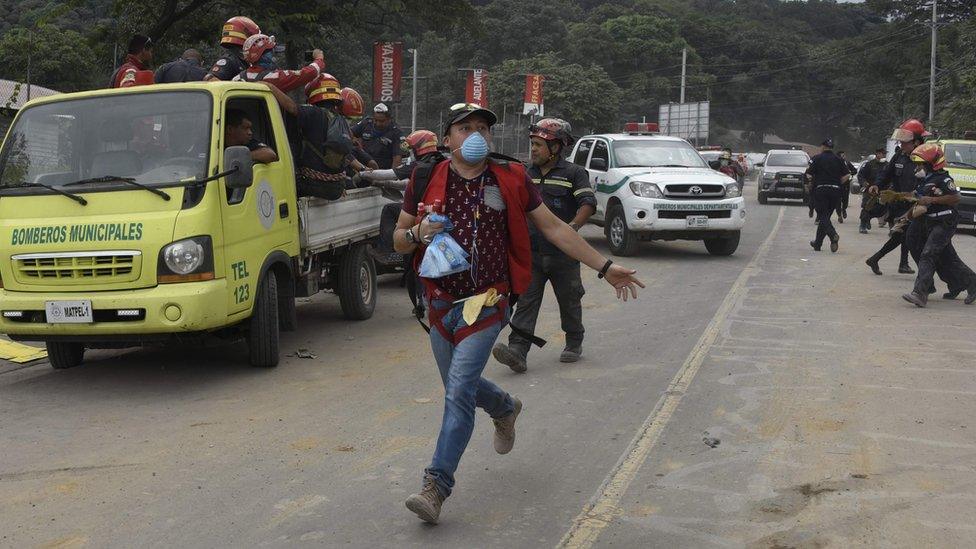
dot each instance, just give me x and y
(760, 164)
(239, 157)
(598, 164)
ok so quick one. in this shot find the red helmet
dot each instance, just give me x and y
(422, 142)
(930, 153)
(237, 30)
(909, 130)
(256, 45)
(352, 103)
(552, 129)
(323, 88)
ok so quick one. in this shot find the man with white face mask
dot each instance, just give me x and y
(489, 203)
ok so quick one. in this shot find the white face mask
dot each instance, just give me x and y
(920, 173)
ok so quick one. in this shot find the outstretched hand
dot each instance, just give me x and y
(624, 281)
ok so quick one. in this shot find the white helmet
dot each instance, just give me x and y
(380, 108)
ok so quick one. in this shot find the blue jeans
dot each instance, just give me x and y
(464, 389)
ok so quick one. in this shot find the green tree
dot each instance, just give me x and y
(56, 60)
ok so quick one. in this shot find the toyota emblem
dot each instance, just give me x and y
(696, 190)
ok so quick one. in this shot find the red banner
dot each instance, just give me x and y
(532, 100)
(387, 71)
(477, 89)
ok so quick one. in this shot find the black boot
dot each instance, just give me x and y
(873, 263)
(905, 269)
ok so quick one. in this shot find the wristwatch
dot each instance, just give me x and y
(411, 237)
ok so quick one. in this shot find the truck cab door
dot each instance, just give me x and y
(581, 157)
(261, 218)
(599, 168)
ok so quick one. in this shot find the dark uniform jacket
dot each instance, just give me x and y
(228, 66)
(181, 70)
(898, 174)
(871, 170)
(564, 190)
(381, 145)
(936, 184)
(827, 170)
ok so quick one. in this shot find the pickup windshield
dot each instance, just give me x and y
(649, 153)
(959, 154)
(152, 138)
(788, 160)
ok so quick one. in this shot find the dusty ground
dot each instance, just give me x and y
(841, 416)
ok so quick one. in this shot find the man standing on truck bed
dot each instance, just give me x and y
(135, 70)
(488, 202)
(236, 30)
(828, 172)
(380, 137)
(259, 53)
(566, 191)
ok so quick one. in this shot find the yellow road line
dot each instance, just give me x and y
(602, 508)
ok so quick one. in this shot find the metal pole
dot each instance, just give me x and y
(504, 126)
(935, 35)
(684, 71)
(30, 50)
(413, 108)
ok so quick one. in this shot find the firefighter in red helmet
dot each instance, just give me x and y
(235, 31)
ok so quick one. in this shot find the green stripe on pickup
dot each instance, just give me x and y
(610, 189)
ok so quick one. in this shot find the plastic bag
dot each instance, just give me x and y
(444, 256)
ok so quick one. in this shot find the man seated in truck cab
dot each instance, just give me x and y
(239, 132)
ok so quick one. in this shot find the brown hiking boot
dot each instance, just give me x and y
(509, 357)
(426, 504)
(505, 429)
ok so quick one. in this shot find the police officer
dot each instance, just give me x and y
(868, 177)
(380, 137)
(899, 176)
(185, 69)
(235, 31)
(566, 191)
(827, 173)
(936, 212)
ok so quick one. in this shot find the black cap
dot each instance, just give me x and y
(829, 143)
(459, 112)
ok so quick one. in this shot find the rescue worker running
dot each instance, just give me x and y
(936, 210)
(828, 173)
(489, 203)
(235, 31)
(259, 53)
(899, 176)
(868, 176)
(566, 191)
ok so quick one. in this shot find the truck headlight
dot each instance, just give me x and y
(768, 176)
(646, 190)
(186, 260)
(732, 190)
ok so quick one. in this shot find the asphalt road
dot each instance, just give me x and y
(838, 415)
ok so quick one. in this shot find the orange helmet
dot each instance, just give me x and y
(931, 154)
(422, 142)
(352, 103)
(256, 45)
(552, 129)
(237, 30)
(909, 130)
(323, 88)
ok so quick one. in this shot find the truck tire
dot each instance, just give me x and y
(357, 283)
(64, 355)
(725, 245)
(621, 239)
(263, 332)
(763, 199)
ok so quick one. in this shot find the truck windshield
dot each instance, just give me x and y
(961, 154)
(788, 160)
(647, 153)
(157, 137)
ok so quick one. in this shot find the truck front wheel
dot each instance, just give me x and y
(65, 355)
(357, 283)
(725, 245)
(263, 332)
(621, 239)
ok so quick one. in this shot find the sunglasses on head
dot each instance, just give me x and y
(465, 107)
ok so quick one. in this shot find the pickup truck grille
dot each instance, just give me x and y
(694, 192)
(77, 267)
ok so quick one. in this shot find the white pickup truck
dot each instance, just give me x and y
(654, 187)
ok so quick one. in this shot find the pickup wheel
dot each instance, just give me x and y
(65, 355)
(263, 332)
(357, 283)
(725, 245)
(621, 239)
